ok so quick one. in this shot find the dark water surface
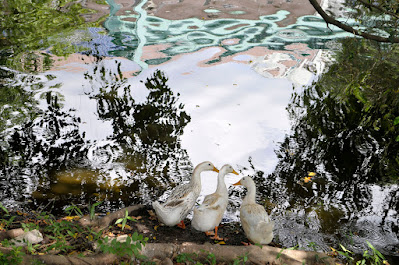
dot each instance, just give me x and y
(122, 113)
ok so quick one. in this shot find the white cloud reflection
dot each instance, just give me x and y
(235, 112)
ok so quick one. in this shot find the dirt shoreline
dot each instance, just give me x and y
(164, 243)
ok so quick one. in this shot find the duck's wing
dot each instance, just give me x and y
(179, 192)
(210, 201)
(254, 214)
(179, 195)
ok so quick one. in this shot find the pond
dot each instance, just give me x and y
(120, 104)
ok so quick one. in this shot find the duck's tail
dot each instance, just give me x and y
(158, 209)
(164, 214)
(156, 205)
(266, 227)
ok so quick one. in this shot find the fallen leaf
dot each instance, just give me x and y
(221, 243)
(311, 174)
(137, 218)
(70, 218)
(126, 226)
(156, 227)
(152, 215)
(307, 179)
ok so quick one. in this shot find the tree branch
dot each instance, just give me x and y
(347, 28)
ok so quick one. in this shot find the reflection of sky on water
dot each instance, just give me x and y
(234, 116)
(236, 112)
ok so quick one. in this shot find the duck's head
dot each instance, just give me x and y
(206, 166)
(246, 182)
(228, 169)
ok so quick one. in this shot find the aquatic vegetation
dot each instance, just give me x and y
(29, 27)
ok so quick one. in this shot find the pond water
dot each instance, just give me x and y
(134, 105)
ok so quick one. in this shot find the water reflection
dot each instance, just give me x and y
(343, 200)
(133, 165)
(148, 132)
(73, 137)
(29, 28)
(137, 34)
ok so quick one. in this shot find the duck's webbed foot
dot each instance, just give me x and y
(181, 225)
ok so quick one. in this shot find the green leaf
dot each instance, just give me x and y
(344, 249)
(396, 121)
(4, 208)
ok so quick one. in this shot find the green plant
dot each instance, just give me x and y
(92, 209)
(312, 245)
(124, 220)
(6, 243)
(37, 262)
(187, 257)
(4, 208)
(349, 236)
(32, 249)
(375, 258)
(211, 258)
(15, 256)
(130, 247)
(346, 253)
(396, 122)
(241, 259)
(6, 223)
(61, 232)
(281, 251)
(73, 209)
(29, 226)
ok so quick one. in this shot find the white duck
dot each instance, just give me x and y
(182, 198)
(209, 214)
(256, 223)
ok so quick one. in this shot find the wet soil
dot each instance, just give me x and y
(146, 223)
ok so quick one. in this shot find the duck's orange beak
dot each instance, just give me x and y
(238, 183)
(215, 169)
(235, 172)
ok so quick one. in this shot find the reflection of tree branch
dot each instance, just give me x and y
(333, 21)
(370, 5)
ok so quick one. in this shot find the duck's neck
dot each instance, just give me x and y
(196, 178)
(250, 197)
(221, 187)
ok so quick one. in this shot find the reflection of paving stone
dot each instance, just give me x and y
(250, 9)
